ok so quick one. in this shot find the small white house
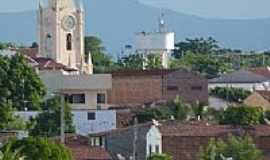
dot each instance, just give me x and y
(241, 79)
(85, 121)
(153, 141)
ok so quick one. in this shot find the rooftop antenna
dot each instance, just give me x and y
(161, 23)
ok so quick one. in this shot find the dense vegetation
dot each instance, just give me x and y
(235, 148)
(160, 157)
(230, 94)
(47, 123)
(20, 86)
(242, 115)
(38, 149)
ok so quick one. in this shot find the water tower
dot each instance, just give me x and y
(160, 42)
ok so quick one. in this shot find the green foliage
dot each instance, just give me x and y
(147, 115)
(20, 84)
(242, 115)
(47, 124)
(160, 157)
(230, 94)
(196, 46)
(207, 65)
(101, 61)
(137, 62)
(237, 148)
(179, 110)
(132, 62)
(40, 149)
(8, 154)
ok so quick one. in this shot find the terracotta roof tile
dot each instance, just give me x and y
(80, 149)
(31, 52)
(263, 71)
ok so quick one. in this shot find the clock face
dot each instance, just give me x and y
(69, 23)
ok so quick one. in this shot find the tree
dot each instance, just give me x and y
(20, 84)
(132, 62)
(230, 94)
(34, 45)
(40, 148)
(196, 46)
(242, 115)
(237, 148)
(47, 124)
(101, 61)
(160, 157)
(207, 65)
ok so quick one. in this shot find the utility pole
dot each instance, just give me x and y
(62, 121)
(135, 130)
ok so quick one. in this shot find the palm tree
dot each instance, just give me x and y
(8, 154)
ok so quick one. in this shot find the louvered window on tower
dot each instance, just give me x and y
(69, 42)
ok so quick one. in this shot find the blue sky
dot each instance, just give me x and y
(232, 9)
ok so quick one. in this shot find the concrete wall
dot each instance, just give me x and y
(90, 85)
(105, 120)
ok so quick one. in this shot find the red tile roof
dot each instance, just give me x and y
(80, 149)
(263, 71)
(31, 52)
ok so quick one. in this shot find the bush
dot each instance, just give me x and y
(236, 148)
(40, 149)
(242, 115)
(160, 157)
(230, 94)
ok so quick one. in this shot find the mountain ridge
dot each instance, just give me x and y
(115, 22)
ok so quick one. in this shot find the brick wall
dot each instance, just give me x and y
(183, 148)
(144, 88)
(190, 87)
(135, 90)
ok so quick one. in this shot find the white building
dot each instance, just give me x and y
(241, 79)
(160, 43)
(85, 121)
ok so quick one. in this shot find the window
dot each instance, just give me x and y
(157, 149)
(198, 88)
(91, 116)
(101, 98)
(172, 88)
(69, 42)
(75, 98)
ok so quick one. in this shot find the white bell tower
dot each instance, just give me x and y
(61, 27)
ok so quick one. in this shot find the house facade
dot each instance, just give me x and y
(146, 86)
(85, 121)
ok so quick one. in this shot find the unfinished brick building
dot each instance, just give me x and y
(140, 87)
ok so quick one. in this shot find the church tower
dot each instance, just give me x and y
(61, 27)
